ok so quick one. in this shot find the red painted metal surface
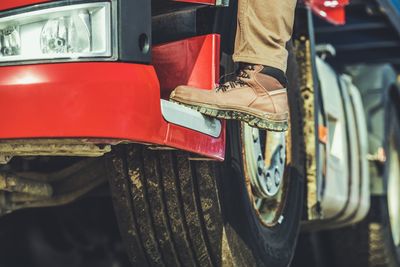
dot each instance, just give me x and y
(330, 10)
(183, 62)
(193, 61)
(9, 4)
(101, 101)
(206, 2)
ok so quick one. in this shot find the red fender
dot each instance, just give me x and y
(9, 4)
(331, 10)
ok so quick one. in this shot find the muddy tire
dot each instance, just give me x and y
(168, 207)
(175, 211)
(385, 233)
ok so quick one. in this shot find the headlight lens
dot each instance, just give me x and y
(71, 32)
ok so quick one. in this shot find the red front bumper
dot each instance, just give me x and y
(115, 101)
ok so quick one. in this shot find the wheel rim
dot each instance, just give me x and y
(394, 194)
(266, 155)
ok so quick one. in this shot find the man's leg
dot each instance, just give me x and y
(258, 95)
(263, 29)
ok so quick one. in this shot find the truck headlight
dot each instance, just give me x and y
(70, 32)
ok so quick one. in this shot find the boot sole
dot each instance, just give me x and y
(251, 119)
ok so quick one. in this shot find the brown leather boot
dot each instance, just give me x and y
(254, 97)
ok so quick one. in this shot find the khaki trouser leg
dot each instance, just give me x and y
(264, 27)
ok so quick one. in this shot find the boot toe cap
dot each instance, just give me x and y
(186, 93)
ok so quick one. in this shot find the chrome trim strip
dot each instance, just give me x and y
(222, 2)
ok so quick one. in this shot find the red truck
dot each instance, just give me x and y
(84, 87)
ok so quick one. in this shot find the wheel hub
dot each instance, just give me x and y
(265, 161)
(266, 182)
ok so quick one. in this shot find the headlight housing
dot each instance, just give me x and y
(64, 32)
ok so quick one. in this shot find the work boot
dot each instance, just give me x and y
(256, 98)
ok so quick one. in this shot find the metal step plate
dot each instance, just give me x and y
(191, 119)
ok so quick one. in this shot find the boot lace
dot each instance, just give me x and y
(240, 80)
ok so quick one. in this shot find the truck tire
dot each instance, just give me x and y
(385, 235)
(277, 235)
(174, 210)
